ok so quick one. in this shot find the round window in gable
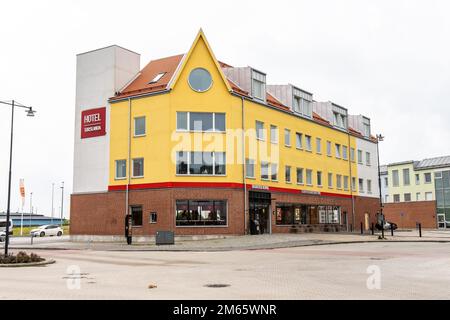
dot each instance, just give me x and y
(200, 80)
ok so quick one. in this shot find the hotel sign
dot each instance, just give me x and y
(93, 123)
(257, 187)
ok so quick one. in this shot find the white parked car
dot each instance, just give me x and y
(2, 236)
(47, 230)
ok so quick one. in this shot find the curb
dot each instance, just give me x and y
(25, 265)
(248, 248)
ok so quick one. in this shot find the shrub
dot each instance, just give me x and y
(21, 257)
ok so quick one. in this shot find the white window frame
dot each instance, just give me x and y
(250, 162)
(115, 174)
(302, 176)
(273, 134)
(318, 145)
(188, 119)
(330, 180)
(286, 169)
(202, 175)
(299, 138)
(143, 168)
(262, 130)
(310, 175)
(308, 145)
(145, 127)
(338, 151)
(287, 134)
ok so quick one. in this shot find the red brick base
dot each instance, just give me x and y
(103, 214)
(407, 214)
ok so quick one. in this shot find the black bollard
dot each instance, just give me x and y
(420, 230)
(362, 231)
(351, 228)
(392, 229)
(373, 229)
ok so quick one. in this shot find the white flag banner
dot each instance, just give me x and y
(22, 191)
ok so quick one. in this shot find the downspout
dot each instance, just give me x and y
(244, 169)
(127, 196)
(351, 179)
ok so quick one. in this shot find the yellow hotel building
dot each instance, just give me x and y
(195, 146)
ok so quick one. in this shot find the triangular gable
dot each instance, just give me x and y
(183, 63)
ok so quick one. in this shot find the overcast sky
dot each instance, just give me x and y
(388, 60)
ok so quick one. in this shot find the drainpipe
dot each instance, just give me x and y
(127, 195)
(351, 178)
(244, 169)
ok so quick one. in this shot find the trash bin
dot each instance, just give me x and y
(165, 238)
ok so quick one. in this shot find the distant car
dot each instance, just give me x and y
(387, 226)
(2, 236)
(47, 230)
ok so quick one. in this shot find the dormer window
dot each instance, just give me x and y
(339, 117)
(157, 77)
(366, 127)
(258, 85)
(302, 103)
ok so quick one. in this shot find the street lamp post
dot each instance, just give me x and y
(30, 113)
(380, 138)
(62, 204)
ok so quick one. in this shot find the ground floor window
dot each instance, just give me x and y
(136, 216)
(201, 213)
(292, 214)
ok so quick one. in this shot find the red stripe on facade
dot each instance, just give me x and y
(220, 185)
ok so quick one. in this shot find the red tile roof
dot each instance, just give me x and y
(141, 84)
(271, 100)
(320, 120)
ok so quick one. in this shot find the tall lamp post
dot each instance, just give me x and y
(380, 138)
(62, 204)
(30, 113)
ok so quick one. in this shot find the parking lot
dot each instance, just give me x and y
(341, 271)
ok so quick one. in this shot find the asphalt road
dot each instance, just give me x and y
(351, 271)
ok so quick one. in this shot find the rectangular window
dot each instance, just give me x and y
(182, 162)
(157, 77)
(396, 198)
(319, 178)
(429, 196)
(427, 177)
(353, 183)
(288, 174)
(395, 179)
(339, 181)
(139, 126)
(250, 168)
(330, 180)
(299, 140)
(274, 171)
(258, 85)
(287, 137)
(386, 198)
(338, 151)
(407, 197)
(329, 148)
(273, 134)
(417, 179)
(308, 143)
(153, 218)
(361, 185)
(406, 178)
(417, 196)
(346, 181)
(369, 186)
(300, 176)
(201, 163)
(201, 213)
(264, 171)
(345, 152)
(352, 154)
(360, 157)
(309, 177)
(136, 216)
(368, 160)
(318, 145)
(182, 121)
(260, 130)
(201, 122)
(121, 169)
(138, 168)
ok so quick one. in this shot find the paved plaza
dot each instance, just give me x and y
(378, 270)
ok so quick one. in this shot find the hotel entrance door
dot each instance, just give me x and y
(259, 213)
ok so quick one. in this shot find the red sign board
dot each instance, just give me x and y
(93, 123)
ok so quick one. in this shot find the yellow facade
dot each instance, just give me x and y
(159, 145)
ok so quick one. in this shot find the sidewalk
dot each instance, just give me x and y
(243, 242)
